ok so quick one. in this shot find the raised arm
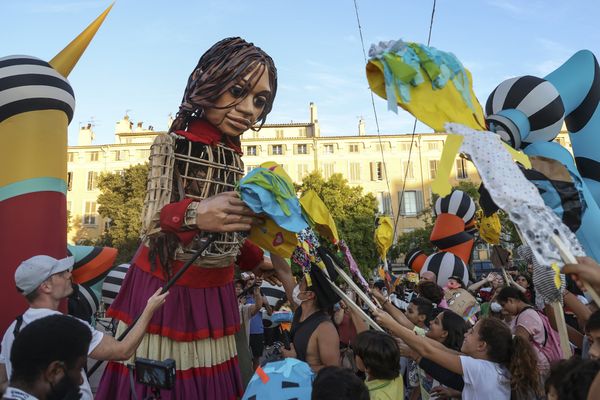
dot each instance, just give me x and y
(478, 285)
(111, 349)
(392, 310)
(284, 273)
(426, 347)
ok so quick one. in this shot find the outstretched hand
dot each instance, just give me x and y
(156, 300)
(384, 319)
(225, 212)
(586, 270)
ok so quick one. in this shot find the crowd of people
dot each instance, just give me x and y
(510, 350)
(425, 349)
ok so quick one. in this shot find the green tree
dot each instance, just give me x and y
(353, 212)
(121, 200)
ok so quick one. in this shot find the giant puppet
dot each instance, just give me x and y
(528, 113)
(194, 170)
(36, 105)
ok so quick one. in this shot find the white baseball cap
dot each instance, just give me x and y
(32, 272)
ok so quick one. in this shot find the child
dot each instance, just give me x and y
(494, 363)
(593, 333)
(377, 355)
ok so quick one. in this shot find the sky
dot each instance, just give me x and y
(141, 57)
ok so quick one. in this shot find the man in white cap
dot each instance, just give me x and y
(45, 282)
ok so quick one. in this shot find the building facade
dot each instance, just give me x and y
(377, 163)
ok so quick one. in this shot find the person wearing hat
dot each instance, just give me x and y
(314, 337)
(45, 282)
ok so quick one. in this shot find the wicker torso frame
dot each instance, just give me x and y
(182, 169)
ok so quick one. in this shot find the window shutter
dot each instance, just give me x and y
(402, 204)
(420, 202)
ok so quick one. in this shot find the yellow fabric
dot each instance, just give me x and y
(195, 354)
(519, 156)
(319, 216)
(65, 61)
(37, 142)
(384, 235)
(433, 107)
(557, 281)
(440, 185)
(273, 238)
(489, 227)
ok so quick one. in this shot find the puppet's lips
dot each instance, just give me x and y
(241, 123)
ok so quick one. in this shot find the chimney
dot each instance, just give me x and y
(139, 126)
(314, 120)
(361, 127)
(314, 117)
(170, 121)
(86, 135)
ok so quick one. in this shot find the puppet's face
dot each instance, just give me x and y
(241, 104)
(452, 284)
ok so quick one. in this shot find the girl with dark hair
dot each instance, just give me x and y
(194, 169)
(495, 364)
(523, 281)
(526, 323)
(449, 329)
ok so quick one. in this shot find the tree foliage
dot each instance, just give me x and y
(353, 212)
(121, 200)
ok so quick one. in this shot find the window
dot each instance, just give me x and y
(433, 166)
(302, 171)
(408, 169)
(328, 149)
(411, 202)
(89, 214)
(302, 132)
(279, 133)
(461, 169)
(302, 149)
(384, 203)
(121, 155)
(71, 157)
(94, 156)
(250, 167)
(69, 181)
(385, 146)
(328, 169)
(405, 146)
(432, 146)
(144, 154)
(353, 148)
(354, 171)
(251, 150)
(92, 182)
(277, 149)
(377, 171)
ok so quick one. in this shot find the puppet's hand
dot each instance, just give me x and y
(225, 212)
(266, 271)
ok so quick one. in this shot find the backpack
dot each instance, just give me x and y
(551, 346)
(286, 379)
